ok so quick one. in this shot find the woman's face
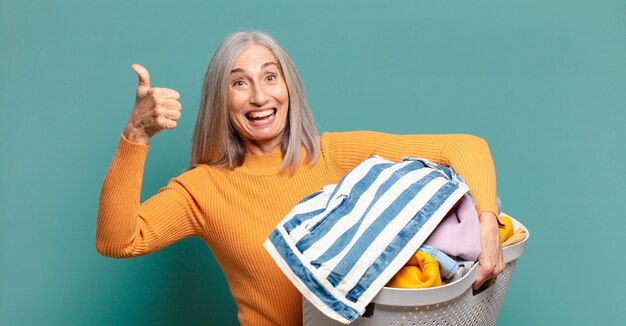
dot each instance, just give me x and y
(258, 100)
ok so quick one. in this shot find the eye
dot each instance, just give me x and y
(238, 82)
(271, 77)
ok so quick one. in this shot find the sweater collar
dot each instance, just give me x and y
(266, 164)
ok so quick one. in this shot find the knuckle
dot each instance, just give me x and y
(155, 93)
(499, 269)
(489, 269)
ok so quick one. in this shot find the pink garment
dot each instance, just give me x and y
(458, 234)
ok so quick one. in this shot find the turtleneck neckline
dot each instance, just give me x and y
(265, 164)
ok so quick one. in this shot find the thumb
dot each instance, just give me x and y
(144, 79)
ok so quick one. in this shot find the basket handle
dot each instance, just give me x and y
(488, 283)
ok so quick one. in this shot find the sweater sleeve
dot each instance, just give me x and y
(124, 227)
(468, 155)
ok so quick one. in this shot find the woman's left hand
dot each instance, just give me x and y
(491, 262)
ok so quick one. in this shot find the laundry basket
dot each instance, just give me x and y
(451, 304)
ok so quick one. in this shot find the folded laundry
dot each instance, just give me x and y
(421, 271)
(506, 231)
(458, 234)
(447, 265)
(518, 236)
(341, 245)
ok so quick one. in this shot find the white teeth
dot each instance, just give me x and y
(261, 114)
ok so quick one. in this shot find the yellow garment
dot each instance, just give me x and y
(518, 236)
(233, 211)
(421, 271)
(506, 231)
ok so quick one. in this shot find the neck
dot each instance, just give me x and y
(259, 148)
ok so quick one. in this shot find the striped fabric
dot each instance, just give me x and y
(341, 245)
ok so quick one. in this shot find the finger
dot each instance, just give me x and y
(144, 79)
(169, 93)
(164, 93)
(500, 268)
(171, 115)
(164, 123)
(171, 104)
(169, 124)
(486, 270)
(480, 279)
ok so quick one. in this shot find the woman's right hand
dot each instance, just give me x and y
(155, 109)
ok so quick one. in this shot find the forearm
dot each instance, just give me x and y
(116, 228)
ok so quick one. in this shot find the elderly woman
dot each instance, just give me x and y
(255, 154)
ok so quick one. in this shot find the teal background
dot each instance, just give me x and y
(542, 81)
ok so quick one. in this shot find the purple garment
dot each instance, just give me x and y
(458, 234)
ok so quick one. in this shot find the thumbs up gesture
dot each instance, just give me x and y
(155, 109)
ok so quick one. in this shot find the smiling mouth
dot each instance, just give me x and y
(260, 116)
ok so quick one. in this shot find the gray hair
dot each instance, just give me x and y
(215, 142)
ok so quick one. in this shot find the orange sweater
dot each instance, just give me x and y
(234, 211)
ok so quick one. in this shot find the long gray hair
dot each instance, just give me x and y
(215, 141)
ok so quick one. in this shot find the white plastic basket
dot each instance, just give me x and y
(451, 304)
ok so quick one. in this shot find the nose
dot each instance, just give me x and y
(258, 96)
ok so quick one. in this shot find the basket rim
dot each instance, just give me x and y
(426, 296)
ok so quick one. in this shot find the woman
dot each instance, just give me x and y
(255, 154)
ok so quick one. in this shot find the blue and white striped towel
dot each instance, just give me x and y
(341, 245)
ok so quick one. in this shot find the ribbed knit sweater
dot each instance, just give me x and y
(234, 211)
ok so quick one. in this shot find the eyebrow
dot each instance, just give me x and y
(265, 65)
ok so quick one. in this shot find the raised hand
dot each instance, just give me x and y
(155, 109)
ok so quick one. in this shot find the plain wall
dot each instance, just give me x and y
(544, 82)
